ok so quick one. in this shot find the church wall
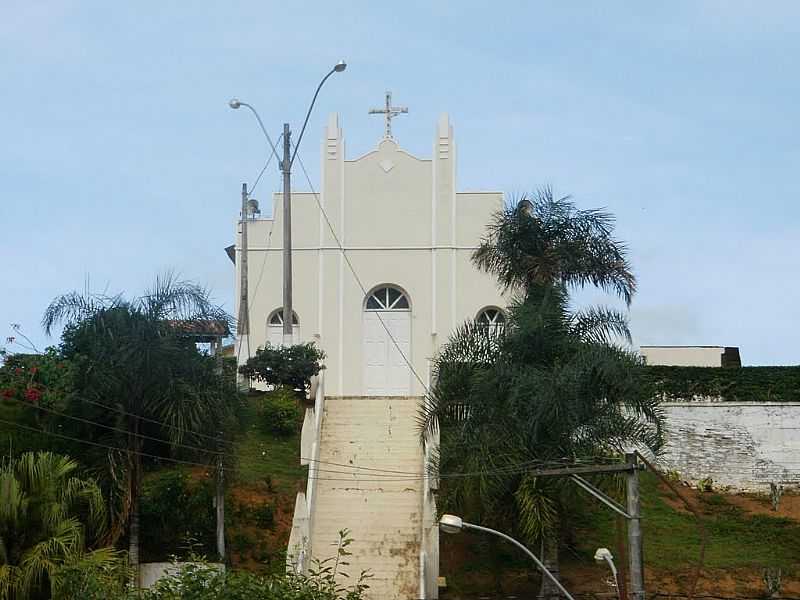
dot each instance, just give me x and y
(481, 206)
(389, 207)
(478, 293)
(742, 445)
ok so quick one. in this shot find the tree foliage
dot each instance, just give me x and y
(139, 373)
(289, 366)
(554, 385)
(543, 240)
(49, 518)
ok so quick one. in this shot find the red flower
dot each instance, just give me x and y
(34, 370)
(32, 394)
(8, 392)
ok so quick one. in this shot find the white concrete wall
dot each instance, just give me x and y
(743, 445)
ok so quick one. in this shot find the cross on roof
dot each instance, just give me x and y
(389, 113)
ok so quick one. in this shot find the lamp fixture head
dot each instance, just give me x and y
(234, 103)
(451, 524)
(340, 66)
(603, 554)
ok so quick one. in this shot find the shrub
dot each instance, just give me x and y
(289, 366)
(175, 509)
(264, 515)
(204, 582)
(279, 413)
(201, 581)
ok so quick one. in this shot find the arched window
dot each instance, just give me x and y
(276, 318)
(275, 327)
(387, 298)
(492, 318)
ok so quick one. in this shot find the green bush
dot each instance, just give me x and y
(279, 412)
(264, 515)
(175, 509)
(288, 366)
(201, 581)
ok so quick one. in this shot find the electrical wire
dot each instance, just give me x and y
(354, 468)
(90, 443)
(364, 474)
(117, 429)
(157, 422)
(264, 168)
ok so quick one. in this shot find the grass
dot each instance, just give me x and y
(263, 456)
(671, 536)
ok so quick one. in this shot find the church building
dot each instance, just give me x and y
(382, 274)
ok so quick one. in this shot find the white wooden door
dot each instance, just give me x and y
(387, 344)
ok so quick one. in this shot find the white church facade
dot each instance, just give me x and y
(382, 274)
(408, 236)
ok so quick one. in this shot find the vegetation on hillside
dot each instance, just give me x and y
(551, 386)
(139, 374)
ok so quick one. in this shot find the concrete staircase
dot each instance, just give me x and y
(383, 513)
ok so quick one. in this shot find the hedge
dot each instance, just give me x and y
(740, 384)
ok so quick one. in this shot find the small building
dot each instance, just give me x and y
(691, 356)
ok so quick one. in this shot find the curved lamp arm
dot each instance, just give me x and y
(264, 129)
(338, 68)
(453, 524)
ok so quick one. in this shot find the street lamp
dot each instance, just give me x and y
(604, 555)
(286, 169)
(454, 524)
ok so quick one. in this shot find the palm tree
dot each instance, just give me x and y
(554, 385)
(133, 356)
(47, 516)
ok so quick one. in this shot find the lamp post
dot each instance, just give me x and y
(604, 554)
(286, 169)
(454, 524)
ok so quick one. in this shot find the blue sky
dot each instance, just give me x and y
(120, 159)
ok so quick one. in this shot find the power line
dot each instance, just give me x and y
(264, 168)
(117, 429)
(357, 278)
(368, 474)
(353, 469)
(157, 422)
(90, 443)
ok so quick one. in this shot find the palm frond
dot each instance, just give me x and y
(74, 307)
(601, 325)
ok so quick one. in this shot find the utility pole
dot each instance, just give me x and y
(220, 505)
(635, 559)
(286, 167)
(243, 327)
